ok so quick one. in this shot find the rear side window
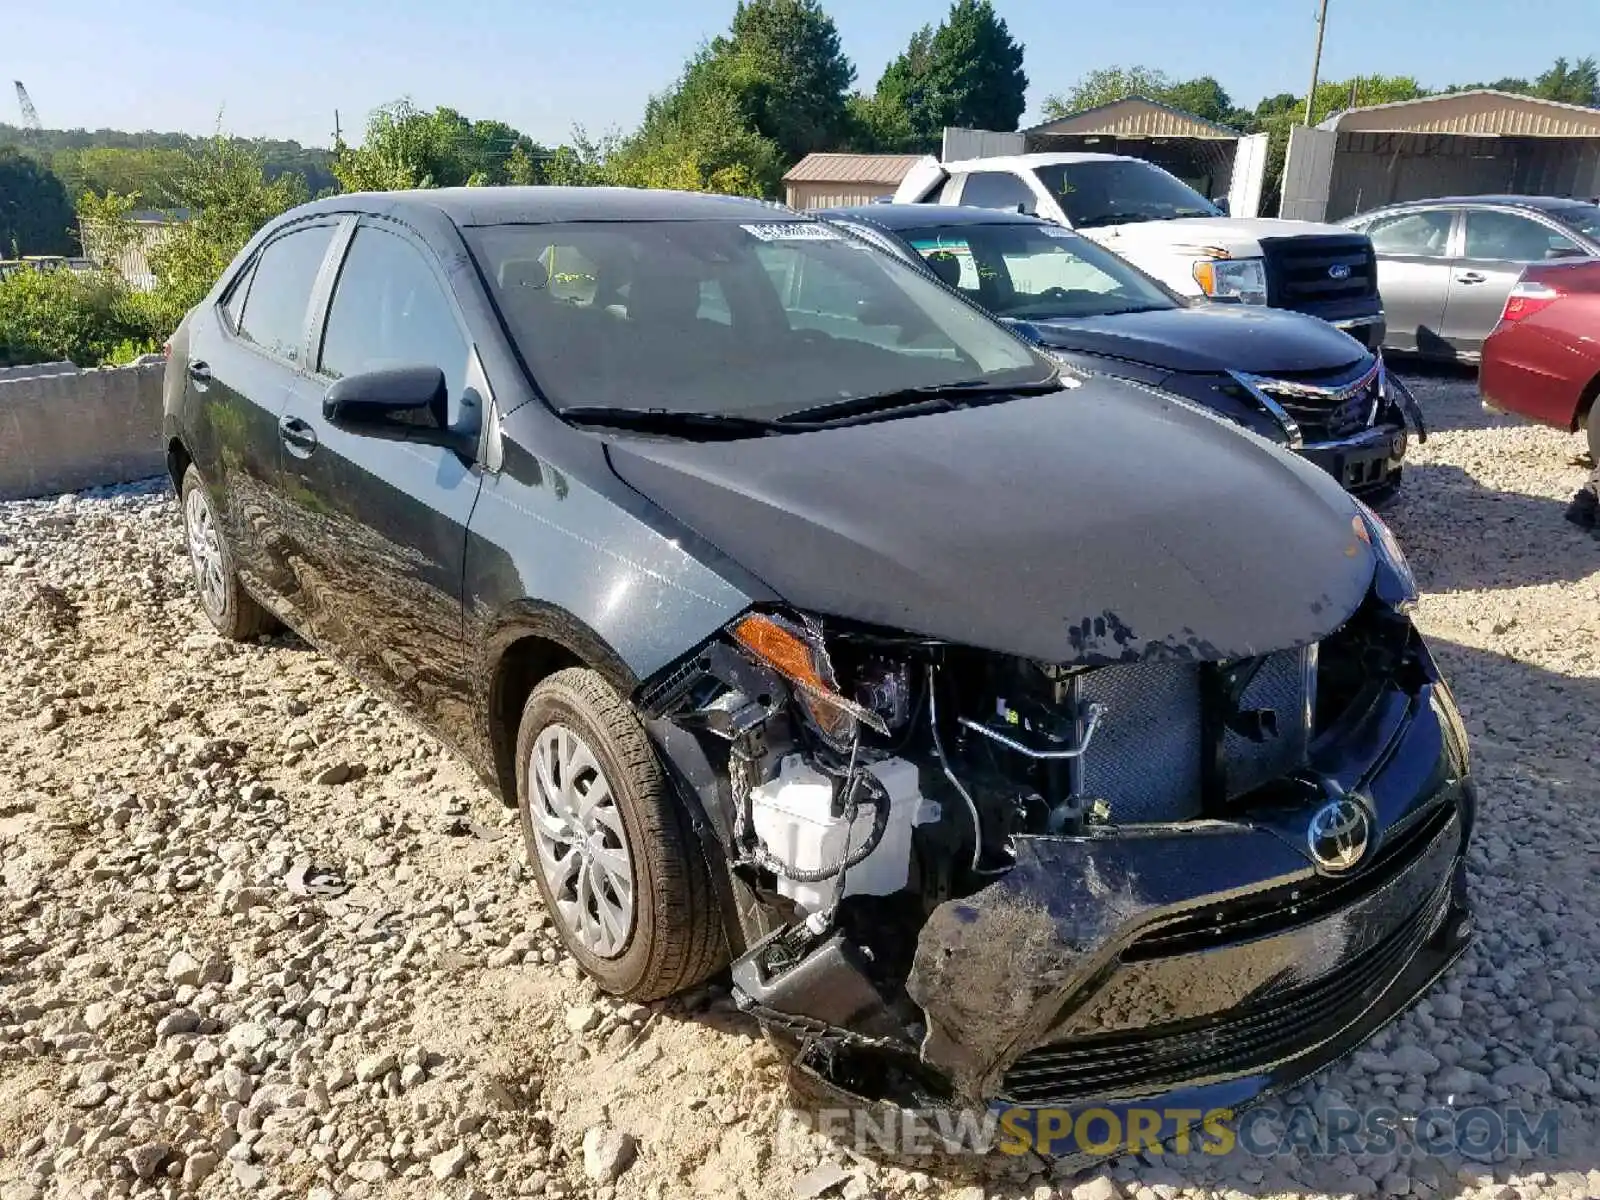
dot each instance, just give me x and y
(1425, 234)
(1505, 237)
(274, 315)
(997, 189)
(389, 310)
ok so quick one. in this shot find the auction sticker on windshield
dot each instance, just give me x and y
(793, 231)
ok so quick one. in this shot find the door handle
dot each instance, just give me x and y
(1471, 277)
(200, 372)
(297, 435)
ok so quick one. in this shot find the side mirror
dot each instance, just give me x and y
(1560, 252)
(1221, 205)
(387, 396)
(402, 404)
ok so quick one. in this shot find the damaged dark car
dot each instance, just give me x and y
(1009, 739)
(1289, 377)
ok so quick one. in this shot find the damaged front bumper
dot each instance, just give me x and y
(1368, 463)
(1166, 967)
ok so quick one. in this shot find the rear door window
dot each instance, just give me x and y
(1420, 234)
(1506, 237)
(274, 315)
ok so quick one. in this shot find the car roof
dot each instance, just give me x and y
(1023, 162)
(468, 206)
(923, 216)
(1537, 202)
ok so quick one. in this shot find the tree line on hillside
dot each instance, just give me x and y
(746, 105)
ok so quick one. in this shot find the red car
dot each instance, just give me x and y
(1543, 358)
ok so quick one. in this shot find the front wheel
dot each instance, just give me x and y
(232, 611)
(610, 843)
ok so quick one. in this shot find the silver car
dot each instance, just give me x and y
(1446, 266)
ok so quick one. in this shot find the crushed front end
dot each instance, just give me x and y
(963, 878)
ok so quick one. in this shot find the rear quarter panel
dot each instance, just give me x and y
(1545, 366)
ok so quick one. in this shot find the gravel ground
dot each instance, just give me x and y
(259, 937)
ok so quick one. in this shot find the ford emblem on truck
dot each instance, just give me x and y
(1339, 271)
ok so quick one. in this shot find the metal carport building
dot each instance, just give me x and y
(1458, 144)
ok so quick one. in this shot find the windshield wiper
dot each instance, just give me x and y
(938, 397)
(675, 424)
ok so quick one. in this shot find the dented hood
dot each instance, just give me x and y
(1208, 338)
(1102, 523)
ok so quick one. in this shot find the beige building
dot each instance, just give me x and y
(831, 180)
(1460, 144)
(150, 229)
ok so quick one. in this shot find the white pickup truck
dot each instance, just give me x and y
(1167, 229)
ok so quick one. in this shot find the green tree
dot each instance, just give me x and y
(146, 163)
(1515, 84)
(404, 147)
(35, 214)
(698, 138)
(149, 173)
(1570, 83)
(1204, 97)
(407, 147)
(967, 72)
(782, 62)
(1106, 85)
(104, 226)
(88, 319)
(226, 189)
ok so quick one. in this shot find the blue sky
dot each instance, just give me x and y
(280, 68)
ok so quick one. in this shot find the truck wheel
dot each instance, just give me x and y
(232, 611)
(610, 844)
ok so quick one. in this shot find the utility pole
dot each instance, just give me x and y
(336, 127)
(1316, 60)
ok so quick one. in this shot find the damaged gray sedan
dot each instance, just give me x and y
(1009, 739)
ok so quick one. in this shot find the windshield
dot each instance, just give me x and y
(1585, 218)
(752, 320)
(1117, 191)
(1035, 272)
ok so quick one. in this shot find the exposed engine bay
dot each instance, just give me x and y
(870, 778)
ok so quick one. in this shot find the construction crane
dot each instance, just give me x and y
(30, 114)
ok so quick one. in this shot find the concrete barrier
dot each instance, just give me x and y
(74, 429)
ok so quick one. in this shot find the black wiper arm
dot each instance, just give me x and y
(908, 401)
(674, 424)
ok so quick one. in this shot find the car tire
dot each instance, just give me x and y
(596, 806)
(232, 611)
(1594, 437)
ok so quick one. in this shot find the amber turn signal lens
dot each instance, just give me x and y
(781, 649)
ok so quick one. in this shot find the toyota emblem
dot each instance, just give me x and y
(1339, 271)
(1338, 835)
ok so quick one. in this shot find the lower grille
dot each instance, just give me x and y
(1243, 1041)
(1262, 914)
